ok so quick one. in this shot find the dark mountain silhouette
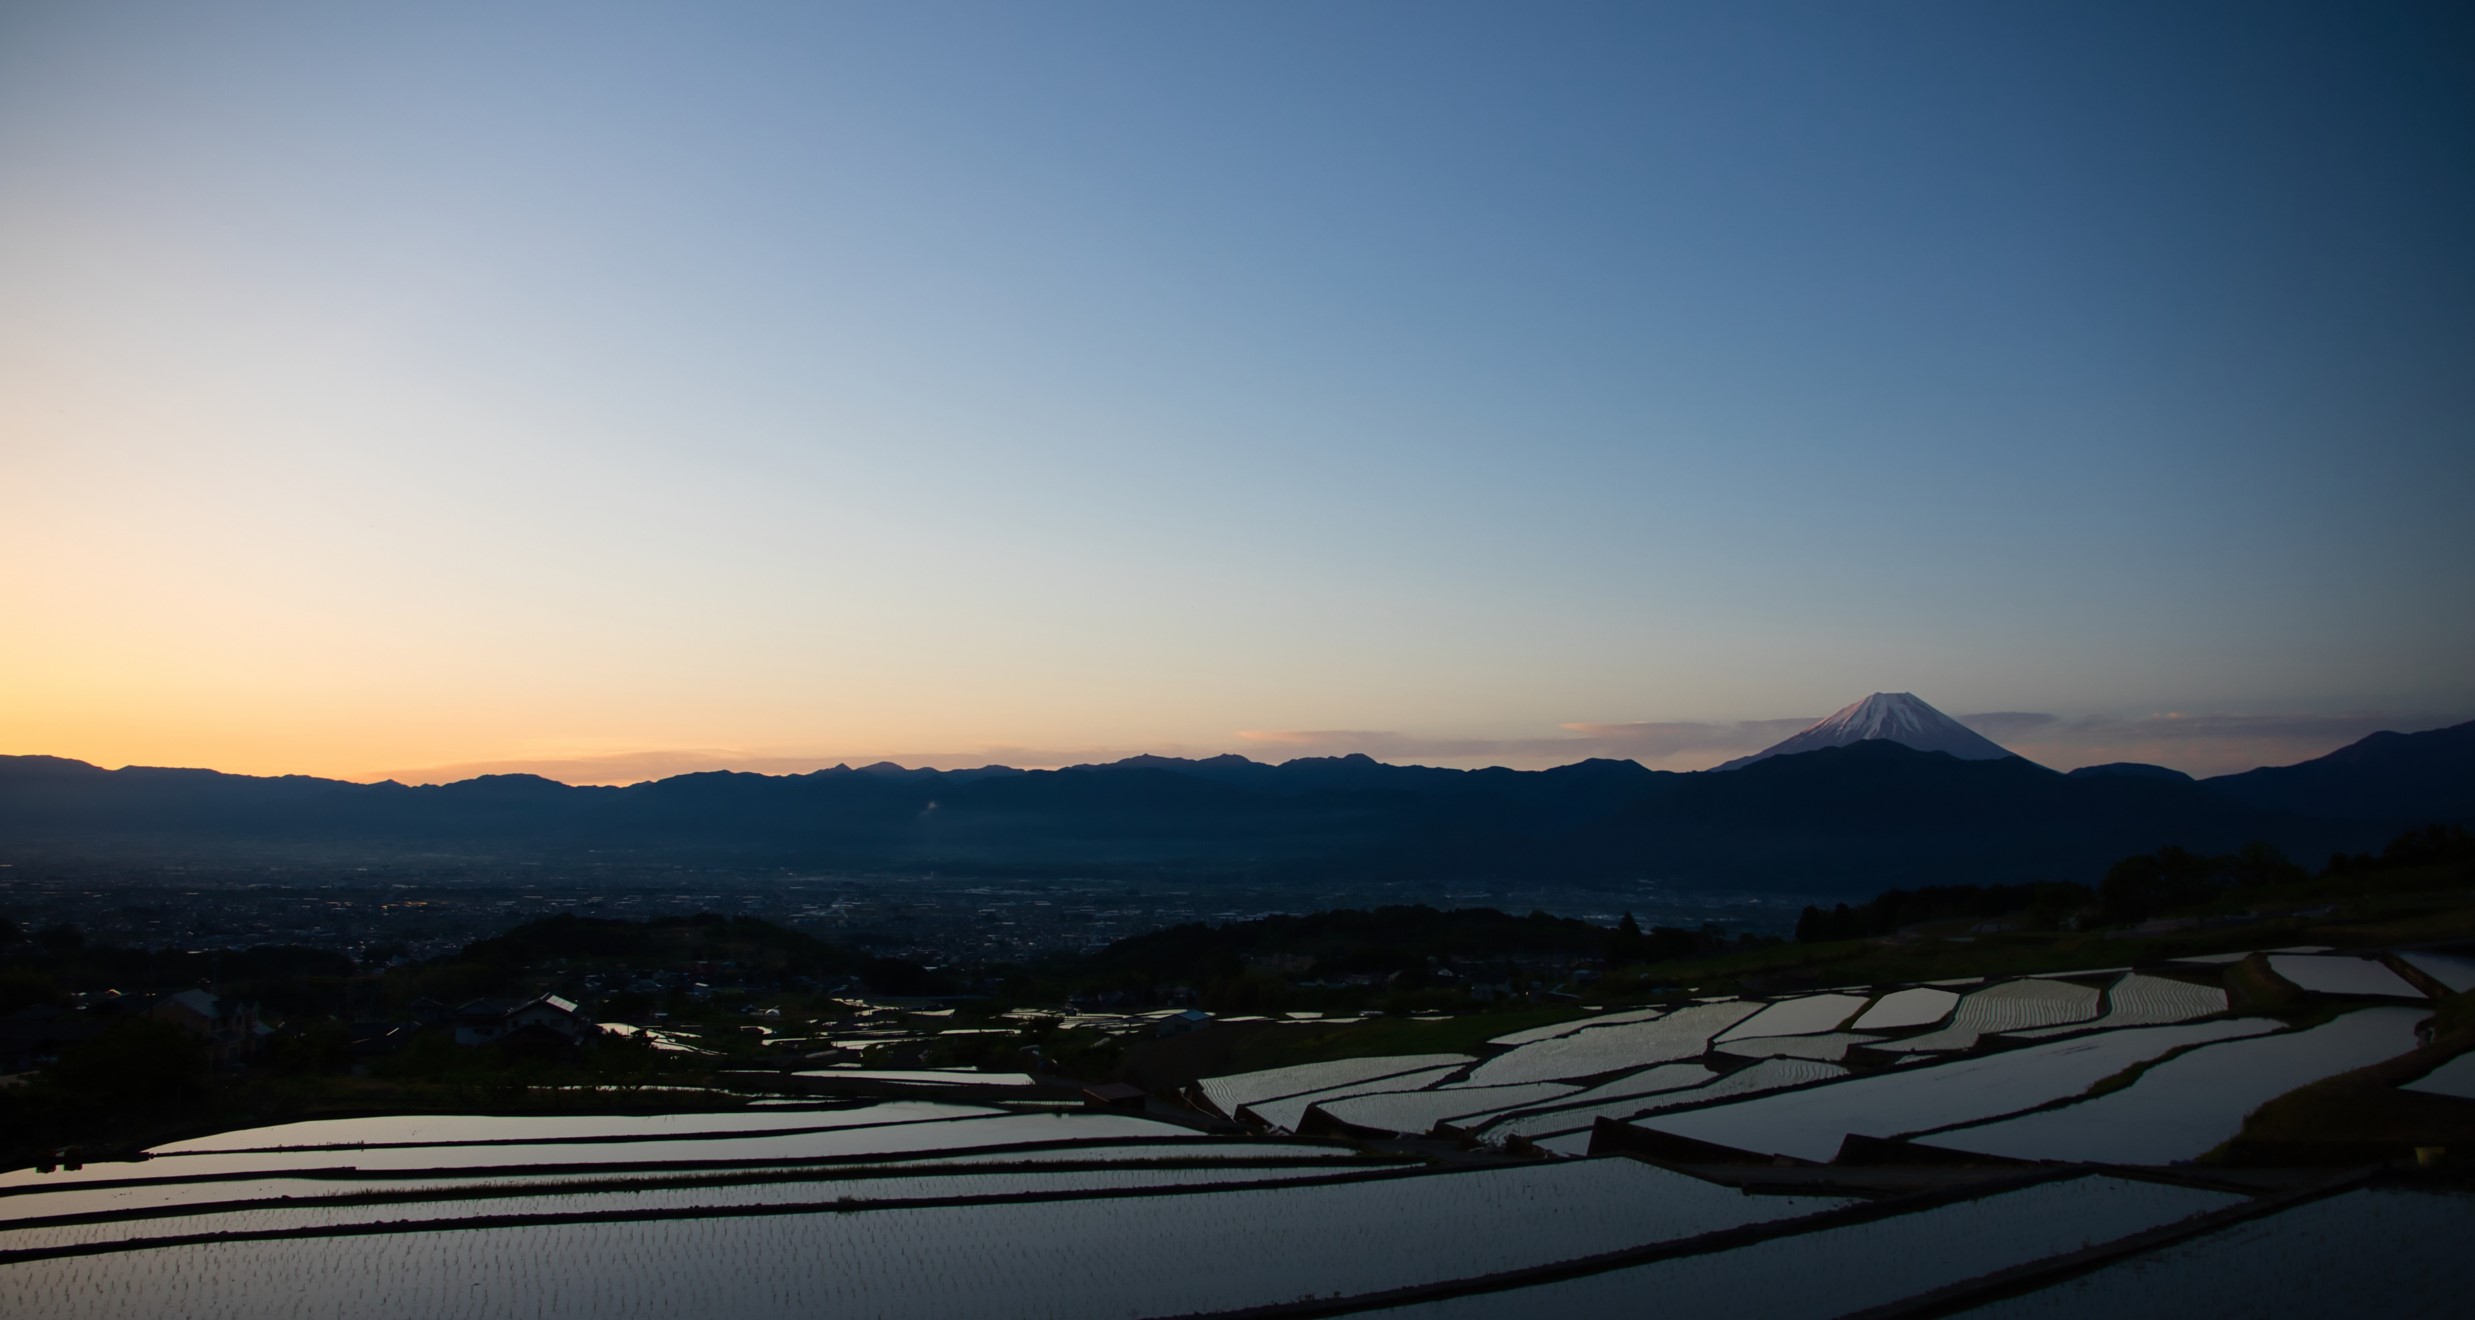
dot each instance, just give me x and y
(1876, 813)
(2130, 769)
(1839, 820)
(2408, 777)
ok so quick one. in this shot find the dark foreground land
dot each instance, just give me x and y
(713, 1010)
(2211, 1085)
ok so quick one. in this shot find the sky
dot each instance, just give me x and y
(618, 389)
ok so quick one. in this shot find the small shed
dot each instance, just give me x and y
(1178, 1024)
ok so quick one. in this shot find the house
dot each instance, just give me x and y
(544, 1020)
(229, 1027)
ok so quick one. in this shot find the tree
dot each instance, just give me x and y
(1628, 944)
(137, 1064)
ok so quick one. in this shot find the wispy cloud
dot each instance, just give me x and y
(2001, 724)
(1654, 741)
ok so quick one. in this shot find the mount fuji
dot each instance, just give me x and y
(1900, 717)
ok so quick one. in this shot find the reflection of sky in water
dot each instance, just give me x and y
(1000, 1129)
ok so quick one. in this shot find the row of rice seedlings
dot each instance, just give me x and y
(2341, 976)
(1852, 1267)
(1682, 1034)
(2186, 1106)
(1797, 1017)
(2384, 1251)
(1830, 1047)
(1286, 1113)
(1076, 1257)
(1415, 1112)
(1555, 1029)
(1811, 1123)
(487, 1129)
(587, 1200)
(2010, 1006)
(1227, 1094)
(2139, 1000)
(1917, 1006)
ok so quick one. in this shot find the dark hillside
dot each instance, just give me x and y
(2398, 779)
(1871, 815)
(1846, 820)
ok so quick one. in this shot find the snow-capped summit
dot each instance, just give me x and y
(1900, 717)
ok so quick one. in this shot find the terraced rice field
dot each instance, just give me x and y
(2454, 972)
(1579, 1238)
(2456, 1077)
(2339, 975)
(1648, 1081)
(968, 1204)
(1830, 1046)
(150, 1197)
(1810, 1124)
(1760, 1079)
(852, 1141)
(1834, 1271)
(1413, 1112)
(1064, 1257)
(1797, 1017)
(1555, 1029)
(1918, 1006)
(2186, 1106)
(466, 1129)
(1682, 1034)
(1286, 1113)
(1228, 1093)
(959, 1183)
(2138, 1000)
(2009, 1006)
(2391, 1252)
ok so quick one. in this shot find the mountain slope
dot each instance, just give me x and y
(1876, 813)
(1840, 819)
(1899, 717)
(2403, 778)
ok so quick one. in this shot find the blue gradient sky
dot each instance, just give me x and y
(656, 386)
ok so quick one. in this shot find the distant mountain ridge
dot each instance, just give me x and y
(1849, 818)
